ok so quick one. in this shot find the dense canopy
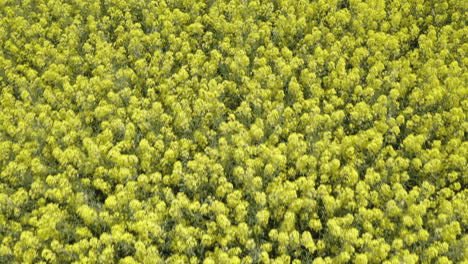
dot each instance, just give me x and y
(233, 131)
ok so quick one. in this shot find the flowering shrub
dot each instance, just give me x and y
(243, 131)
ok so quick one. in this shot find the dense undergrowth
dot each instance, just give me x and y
(282, 131)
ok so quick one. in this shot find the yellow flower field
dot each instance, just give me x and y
(233, 131)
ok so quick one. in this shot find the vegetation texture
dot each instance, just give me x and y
(243, 131)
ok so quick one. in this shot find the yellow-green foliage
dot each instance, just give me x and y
(243, 131)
